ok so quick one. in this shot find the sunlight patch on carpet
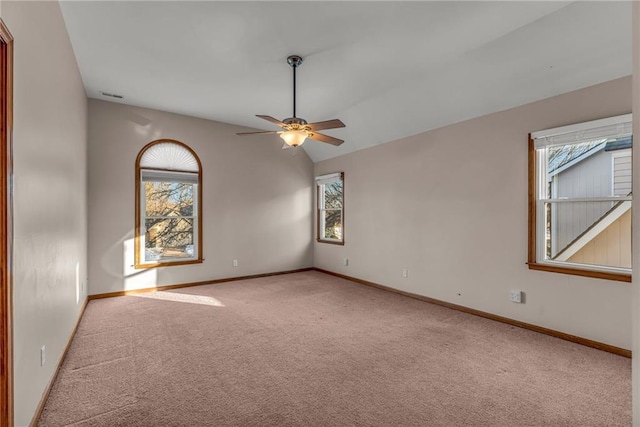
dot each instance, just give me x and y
(177, 297)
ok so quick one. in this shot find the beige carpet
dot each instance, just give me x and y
(308, 349)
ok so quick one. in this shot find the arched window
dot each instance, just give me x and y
(168, 205)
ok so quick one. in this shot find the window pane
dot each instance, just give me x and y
(333, 195)
(600, 168)
(168, 238)
(597, 233)
(333, 224)
(168, 199)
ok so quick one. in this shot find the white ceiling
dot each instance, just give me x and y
(386, 69)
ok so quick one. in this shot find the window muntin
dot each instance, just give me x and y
(168, 208)
(582, 197)
(330, 208)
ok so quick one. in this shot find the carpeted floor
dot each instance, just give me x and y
(308, 349)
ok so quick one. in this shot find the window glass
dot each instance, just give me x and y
(169, 220)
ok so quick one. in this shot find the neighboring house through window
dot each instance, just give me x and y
(580, 199)
(168, 205)
(331, 208)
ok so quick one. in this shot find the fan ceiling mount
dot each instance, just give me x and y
(296, 130)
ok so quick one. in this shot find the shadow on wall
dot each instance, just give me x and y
(141, 125)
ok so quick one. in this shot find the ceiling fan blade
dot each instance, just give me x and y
(272, 120)
(327, 124)
(286, 146)
(325, 138)
(258, 133)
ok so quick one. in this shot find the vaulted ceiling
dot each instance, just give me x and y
(387, 69)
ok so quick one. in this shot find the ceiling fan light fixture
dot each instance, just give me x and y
(293, 137)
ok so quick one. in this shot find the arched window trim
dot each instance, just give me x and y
(138, 263)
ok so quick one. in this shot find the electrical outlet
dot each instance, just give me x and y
(405, 273)
(515, 296)
(43, 355)
(235, 262)
(346, 261)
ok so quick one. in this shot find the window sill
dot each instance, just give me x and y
(620, 277)
(167, 264)
(331, 242)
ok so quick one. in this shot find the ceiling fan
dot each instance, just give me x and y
(296, 130)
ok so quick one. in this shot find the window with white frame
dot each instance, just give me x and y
(168, 226)
(331, 208)
(580, 199)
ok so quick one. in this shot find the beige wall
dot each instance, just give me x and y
(257, 205)
(50, 148)
(450, 205)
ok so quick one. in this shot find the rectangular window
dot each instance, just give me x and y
(168, 216)
(331, 208)
(580, 199)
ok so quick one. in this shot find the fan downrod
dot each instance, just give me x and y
(294, 61)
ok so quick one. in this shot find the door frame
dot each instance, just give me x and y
(6, 226)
